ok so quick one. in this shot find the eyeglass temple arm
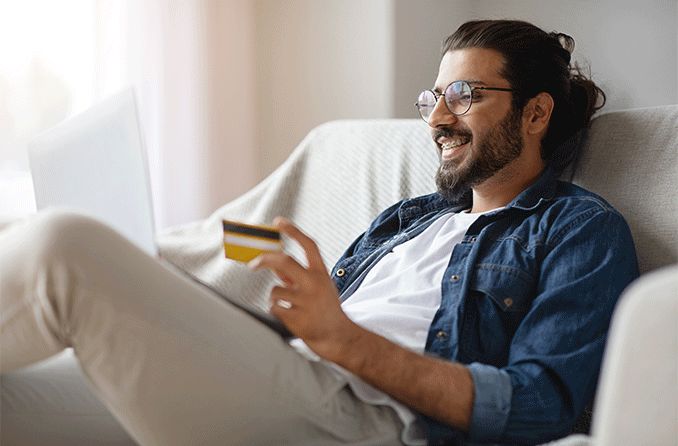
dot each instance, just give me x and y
(492, 88)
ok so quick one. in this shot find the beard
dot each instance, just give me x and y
(501, 145)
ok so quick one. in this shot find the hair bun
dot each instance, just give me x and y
(566, 42)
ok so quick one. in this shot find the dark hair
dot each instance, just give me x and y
(536, 61)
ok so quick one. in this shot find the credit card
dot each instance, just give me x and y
(243, 242)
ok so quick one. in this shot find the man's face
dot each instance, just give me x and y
(474, 146)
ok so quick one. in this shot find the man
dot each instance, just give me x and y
(475, 314)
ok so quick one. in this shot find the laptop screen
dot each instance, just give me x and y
(95, 163)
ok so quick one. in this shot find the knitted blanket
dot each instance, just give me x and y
(334, 183)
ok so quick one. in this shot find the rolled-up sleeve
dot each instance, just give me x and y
(555, 354)
(492, 391)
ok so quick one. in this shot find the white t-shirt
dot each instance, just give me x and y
(397, 299)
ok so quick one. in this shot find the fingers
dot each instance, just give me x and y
(279, 293)
(282, 301)
(313, 256)
(282, 310)
(281, 264)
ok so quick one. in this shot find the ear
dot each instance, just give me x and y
(537, 113)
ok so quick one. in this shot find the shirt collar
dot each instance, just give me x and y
(541, 190)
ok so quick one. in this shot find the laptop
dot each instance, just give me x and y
(95, 163)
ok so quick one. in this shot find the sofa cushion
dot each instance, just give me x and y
(631, 159)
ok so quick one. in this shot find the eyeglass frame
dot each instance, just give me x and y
(437, 96)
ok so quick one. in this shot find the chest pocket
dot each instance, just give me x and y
(499, 298)
(510, 289)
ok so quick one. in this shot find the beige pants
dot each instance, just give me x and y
(175, 365)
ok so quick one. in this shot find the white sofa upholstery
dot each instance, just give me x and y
(637, 400)
(631, 158)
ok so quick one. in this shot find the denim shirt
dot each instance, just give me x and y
(527, 298)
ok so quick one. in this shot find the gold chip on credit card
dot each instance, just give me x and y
(244, 242)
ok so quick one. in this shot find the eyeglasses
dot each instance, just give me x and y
(458, 98)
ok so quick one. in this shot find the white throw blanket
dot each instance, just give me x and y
(335, 182)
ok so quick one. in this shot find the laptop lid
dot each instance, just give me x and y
(96, 163)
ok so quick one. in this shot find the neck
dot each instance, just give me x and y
(500, 189)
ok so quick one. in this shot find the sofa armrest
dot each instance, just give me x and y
(637, 400)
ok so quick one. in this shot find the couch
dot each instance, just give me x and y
(630, 158)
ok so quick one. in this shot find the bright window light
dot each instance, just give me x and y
(47, 73)
(46, 65)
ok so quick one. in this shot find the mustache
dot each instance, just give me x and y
(449, 132)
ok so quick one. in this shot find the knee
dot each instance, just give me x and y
(54, 232)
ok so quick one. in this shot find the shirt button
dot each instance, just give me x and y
(340, 272)
(455, 278)
(441, 334)
(508, 301)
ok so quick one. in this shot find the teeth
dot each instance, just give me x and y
(452, 144)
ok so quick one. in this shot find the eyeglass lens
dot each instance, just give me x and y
(457, 98)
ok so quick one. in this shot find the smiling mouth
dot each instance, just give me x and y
(451, 148)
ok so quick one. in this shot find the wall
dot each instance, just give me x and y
(420, 28)
(632, 46)
(318, 61)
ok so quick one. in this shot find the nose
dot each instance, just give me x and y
(441, 116)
